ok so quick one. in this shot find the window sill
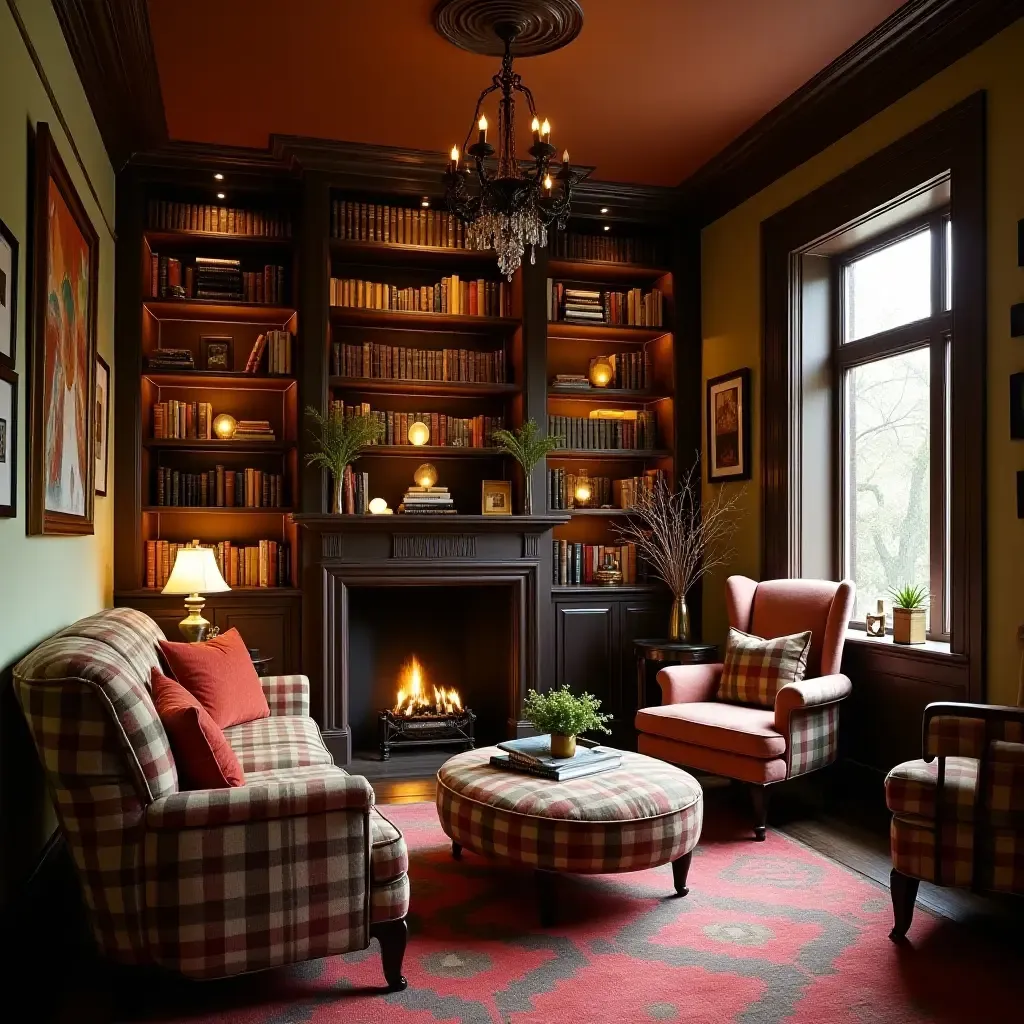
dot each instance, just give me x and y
(930, 648)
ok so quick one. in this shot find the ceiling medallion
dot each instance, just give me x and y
(507, 206)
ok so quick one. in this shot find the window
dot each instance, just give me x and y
(892, 366)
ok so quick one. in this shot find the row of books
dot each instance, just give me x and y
(396, 362)
(266, 563)
(575, 563)
(186, 420)
(377, 222)
(278, 346)
(355, 492)
(598, 430)
(164, 215)
(605, 492)
(220, 488)
(445, 431)
(450, 295)
(532, 755)
(427, 501)
(574, 245)
(218, 280)
(633, 307)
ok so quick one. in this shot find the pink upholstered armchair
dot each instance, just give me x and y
(757, 745)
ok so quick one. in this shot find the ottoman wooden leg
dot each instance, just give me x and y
(547, 897)
(903, 889)
(392, 936)
(680, 869)
(456, 850)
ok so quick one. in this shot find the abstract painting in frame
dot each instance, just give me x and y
(8, 296)
(8, 443)
(101, 424)
(728, 427)
(62, 364)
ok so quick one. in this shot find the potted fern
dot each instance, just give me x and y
(564, 716)
(339, 442)
(527, 446)
(908, 606)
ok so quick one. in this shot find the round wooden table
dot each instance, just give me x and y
(668, 652)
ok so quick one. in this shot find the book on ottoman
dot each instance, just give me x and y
(532, 754)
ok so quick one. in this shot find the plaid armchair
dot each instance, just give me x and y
(958, 813)
(294, 865)
(759, 745)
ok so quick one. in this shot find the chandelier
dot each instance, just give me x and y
(508, 205)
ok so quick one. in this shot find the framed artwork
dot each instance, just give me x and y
(8, 296)
(497, 498)
(62, 351)
(8, 442)
(217, 352)
(101, 424)
(1017, 406)
(728, 427)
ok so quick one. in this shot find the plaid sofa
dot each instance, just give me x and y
(294, 865)
(958, 813)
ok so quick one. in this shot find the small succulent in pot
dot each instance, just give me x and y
(564, 715)
(908, 613)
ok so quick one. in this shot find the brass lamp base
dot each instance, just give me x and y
(194, 628)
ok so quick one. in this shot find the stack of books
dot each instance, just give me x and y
(431, 501)
(171, 359)
(571, 381)
(532, 756)
(218, 279)
(254, 430)
(582, 305)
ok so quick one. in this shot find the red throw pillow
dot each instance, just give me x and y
(203, 755)
(219, 674)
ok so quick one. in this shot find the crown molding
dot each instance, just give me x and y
(914, 43)
(112, 48)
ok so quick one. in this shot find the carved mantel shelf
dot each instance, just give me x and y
(398, 523)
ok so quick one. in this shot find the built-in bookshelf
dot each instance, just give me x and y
(609, 297)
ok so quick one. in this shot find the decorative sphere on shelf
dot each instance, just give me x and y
(601, 372)
(378, 506)
(425, 475)
(224, 426)
(419, 433)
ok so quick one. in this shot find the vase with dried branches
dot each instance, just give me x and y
(681, 539)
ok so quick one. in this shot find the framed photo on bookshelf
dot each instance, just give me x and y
(497, 498)
(8, 296)
(728, 427)
(101, 424)
(62, 354)
(8, 442)
(217, 352)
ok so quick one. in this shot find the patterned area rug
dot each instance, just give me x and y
(769, 932)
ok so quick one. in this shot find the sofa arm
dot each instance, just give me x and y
(952, 729)
(808, 693)
(286, 695)
(300, 793)
(689, 684)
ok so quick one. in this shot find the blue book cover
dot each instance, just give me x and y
(564, 773)
(537, 749)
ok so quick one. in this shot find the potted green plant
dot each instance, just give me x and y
(908, 605)
(527, 446)
(565, 716)
(339, 442)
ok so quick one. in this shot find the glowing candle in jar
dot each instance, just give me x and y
(583, 490)
(419, 433)
(224, 426)
(600, 372)
(482, 125)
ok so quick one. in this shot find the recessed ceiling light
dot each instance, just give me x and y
(220, 177)
(424, 201)
(607, 227)
(604, 209)
(220, 195)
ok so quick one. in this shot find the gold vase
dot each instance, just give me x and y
(679, 620)
(562, 745)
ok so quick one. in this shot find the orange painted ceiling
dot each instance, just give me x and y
(649, 91)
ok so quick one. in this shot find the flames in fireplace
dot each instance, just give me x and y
(415, 699)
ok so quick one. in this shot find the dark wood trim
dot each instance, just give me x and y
(112, 48)
(914, 43)
(8, 376)
(953, 142)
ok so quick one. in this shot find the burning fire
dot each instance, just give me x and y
(412, 696)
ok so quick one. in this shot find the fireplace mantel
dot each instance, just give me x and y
(398, 523)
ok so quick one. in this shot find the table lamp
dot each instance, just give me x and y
(195, 573)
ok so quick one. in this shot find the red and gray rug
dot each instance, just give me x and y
(769, 932)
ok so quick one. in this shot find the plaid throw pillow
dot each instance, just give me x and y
(755, 669)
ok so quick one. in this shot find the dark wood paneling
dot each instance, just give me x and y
(587, 659)
(273, 628)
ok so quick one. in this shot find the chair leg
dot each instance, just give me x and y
(392, 936)
(759, 798)
(456, 850)
(680, 869)
(547, 897)
(903, 890)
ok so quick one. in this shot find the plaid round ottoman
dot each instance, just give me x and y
(640, 815)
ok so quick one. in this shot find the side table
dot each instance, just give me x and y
(668, 652)
(260, 664)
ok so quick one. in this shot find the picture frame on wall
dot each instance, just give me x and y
(8, 296)
(728, 427)
(62, 350)
(8, 442)
(101, 424)
(496, 498)
(217, 352)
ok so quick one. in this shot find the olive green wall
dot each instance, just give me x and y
(732, 317)
(45, 583)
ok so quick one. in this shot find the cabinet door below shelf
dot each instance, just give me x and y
(271, 627)
(586, 648)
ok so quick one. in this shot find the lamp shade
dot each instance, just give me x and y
(195, 572)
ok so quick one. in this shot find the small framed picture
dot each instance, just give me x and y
(1017, 406)
(8, 442)
(728, 427)
(497, 498)
(8, 296)
(217, 352)
(101, 424)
